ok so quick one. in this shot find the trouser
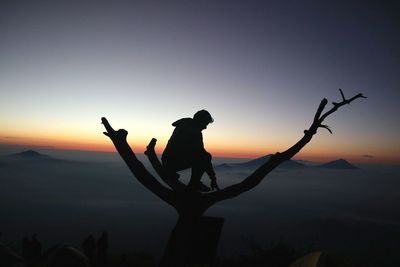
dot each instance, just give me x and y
(198, 164)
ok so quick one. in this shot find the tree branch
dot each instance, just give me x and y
(338, 105)
(180, 198)
(259, 174)
(172, 182)
(137, 168)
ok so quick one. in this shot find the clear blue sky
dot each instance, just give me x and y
(260, 68)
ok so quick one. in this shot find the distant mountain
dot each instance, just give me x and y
(255, 163)
(224, 167)
(289, 164)
(29, 154)
(292, 164)
(338, 164)
(33, 157)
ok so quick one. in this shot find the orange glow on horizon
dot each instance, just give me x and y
(310, 153)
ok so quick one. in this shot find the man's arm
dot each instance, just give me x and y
(211, 173)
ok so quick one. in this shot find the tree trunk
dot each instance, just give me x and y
(193, 234)
(193, 240)
(178, 247)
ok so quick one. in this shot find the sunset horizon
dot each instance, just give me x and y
(277, 128)
(235, 153)
(260, 69)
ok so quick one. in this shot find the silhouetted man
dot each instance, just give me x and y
(26, 249)
(36, 247)
(102, 247)
(89, 247)
(31, 249)
(185, 149)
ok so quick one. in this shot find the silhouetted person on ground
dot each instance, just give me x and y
(36, 247)
(102, 247)
(185, 149)
(124, 261)
(31, 249)
(89, 247)
(26, 249)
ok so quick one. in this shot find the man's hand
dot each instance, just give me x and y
(214, 185)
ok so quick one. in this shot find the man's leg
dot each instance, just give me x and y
(198, 165)
(170, 170)
(201, 165)
(197, 172)
(174, 164)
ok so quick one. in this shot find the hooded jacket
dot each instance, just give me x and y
(186, 142)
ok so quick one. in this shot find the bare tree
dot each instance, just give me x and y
(191, 205)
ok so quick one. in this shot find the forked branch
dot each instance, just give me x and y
(204, 201)
(136, 167)
(172, 182)
(258, 175)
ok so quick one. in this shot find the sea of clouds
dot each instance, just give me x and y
(65, 200)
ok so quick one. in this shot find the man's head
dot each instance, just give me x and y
(203, 118)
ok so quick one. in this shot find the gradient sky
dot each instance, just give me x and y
(260, 68)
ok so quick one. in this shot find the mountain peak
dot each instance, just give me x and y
(255, 163)
(338, 164)
(29, 154)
